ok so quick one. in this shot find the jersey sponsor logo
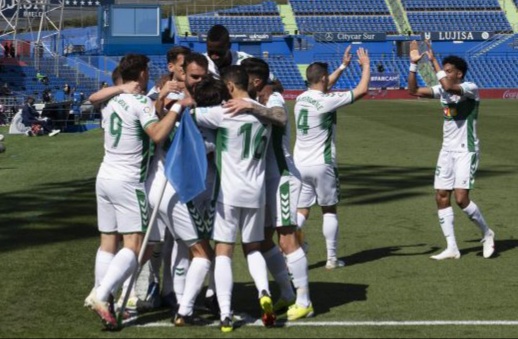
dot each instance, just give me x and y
(450, 112)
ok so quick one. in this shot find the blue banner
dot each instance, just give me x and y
(349, 36)
(384, 80)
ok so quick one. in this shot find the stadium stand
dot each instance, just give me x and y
(261, 18)
(343, 16)
(462, 15)
(493, 62)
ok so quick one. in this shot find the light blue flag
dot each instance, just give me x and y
(186, 160)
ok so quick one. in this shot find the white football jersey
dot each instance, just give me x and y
(237, 57)
(241, 144)
(315, 118)
(278, 157)
(460, 114)
(127, 147)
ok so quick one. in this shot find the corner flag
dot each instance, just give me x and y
(186, 160)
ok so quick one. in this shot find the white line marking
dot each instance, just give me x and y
(368, 323)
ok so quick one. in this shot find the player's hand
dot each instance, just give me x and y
(187, 102)
(236, 106)
(429, 51)
(171, 86)
(363, 57)
(415, 56)
(346, 59)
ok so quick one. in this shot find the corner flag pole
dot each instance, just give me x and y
(141, 255)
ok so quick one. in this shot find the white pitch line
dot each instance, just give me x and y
(368, 323)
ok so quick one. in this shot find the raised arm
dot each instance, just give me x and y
(346, 60)
(415, 57)
(363, 86)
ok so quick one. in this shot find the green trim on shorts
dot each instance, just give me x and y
(285, 204)
(203, 228)
(143, 209)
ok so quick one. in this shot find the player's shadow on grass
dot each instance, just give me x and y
(380, 253)
(326, 295)
(501, 246)
(373, 184)
(245, 303)
(48, 213)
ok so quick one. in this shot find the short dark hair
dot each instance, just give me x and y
(316, 71)
(236, 74)
(218, 33)
(131, 65)
(257, 67)
(210, 91)
(197, 58)
(458, 62)
(174, 52)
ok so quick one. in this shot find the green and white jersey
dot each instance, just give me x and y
(315, 116)
(126, 145)
(279, 161)
(241, 144)
(460, 118)
(237, 57)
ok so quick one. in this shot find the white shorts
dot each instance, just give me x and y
(456, 170)
(121, 206)
(282, 196)
(184, 220)
(228, 219)
(320, 184)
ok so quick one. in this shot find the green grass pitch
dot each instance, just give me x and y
(386, 152)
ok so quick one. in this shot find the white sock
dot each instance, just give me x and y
(180, 265)
(330, 231)
(298, 266)
(102, 262)
(122, 266)
(193, 282)
(224, 284)
(257, 269)
(474, 214)
(446, 219)
(277, 266)
(301, 220)
(167, 277)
